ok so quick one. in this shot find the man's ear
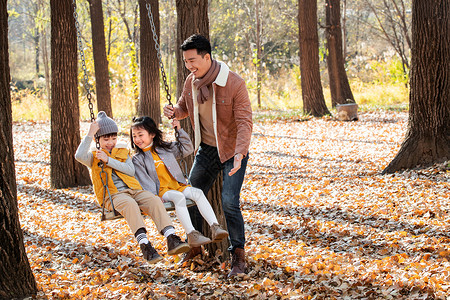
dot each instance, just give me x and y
(207, 56)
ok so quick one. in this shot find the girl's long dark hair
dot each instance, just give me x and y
(149, 125)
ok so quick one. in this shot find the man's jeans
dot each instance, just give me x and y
(203, 174)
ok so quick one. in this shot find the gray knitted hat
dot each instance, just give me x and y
(106, 125)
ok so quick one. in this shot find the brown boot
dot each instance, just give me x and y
(193, 252)
(238, 262)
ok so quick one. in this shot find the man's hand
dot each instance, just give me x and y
(102, 156)
(237, 164)
(168, 111)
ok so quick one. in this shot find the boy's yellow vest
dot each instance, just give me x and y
(121, 154)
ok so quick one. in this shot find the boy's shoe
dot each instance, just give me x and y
(175, 245)
(150, 254)
(196, 239)
(218, 233)
(191, 254)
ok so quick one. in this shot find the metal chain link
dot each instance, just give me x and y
(166, 86)
(83, 65)
(158, 51)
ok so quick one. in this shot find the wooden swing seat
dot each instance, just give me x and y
(110, 215)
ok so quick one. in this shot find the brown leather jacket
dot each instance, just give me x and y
(232, 112)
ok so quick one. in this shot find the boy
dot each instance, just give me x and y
(126, 193)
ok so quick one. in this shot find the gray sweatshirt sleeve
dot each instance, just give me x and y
(186, 145)
(83, 154)
(126, 167)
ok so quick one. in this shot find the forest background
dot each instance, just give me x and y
(321, 220)
(376, 49)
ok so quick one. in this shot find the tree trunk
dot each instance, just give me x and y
(149, 98)
(192, 17)
(428, 136)
(258, 64)
(100, 59)
(312, 93)
(16, 277)
(46, 65)
(65, 114)
(36, 51)
(341, 92)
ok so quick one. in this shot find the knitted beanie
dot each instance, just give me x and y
(106, 125)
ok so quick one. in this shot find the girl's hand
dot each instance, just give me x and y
(176, 124)
(93, 129)
(102, 156)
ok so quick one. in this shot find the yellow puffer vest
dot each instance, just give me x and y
(121, 154)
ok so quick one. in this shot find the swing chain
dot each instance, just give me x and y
(158, 51)
(166, 86)
(83, 65)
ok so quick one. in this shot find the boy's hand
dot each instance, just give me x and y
(168, 111)
(93, 129)
(176, 124)
(102, 156)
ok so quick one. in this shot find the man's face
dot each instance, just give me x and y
(195, 63)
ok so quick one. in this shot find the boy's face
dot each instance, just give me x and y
(195, 63)
(108, 143)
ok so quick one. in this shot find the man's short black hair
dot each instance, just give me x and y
(199, 42)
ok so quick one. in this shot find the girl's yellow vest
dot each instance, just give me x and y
(121, 154)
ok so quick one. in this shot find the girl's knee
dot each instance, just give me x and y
(176, 197)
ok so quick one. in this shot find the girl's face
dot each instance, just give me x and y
(142, 138)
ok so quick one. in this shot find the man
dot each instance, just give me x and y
(216, 100)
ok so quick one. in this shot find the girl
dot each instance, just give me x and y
(158, 172)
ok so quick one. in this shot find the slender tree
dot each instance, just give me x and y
(100, 59)
(16, 277)
(312, 93)
(149, 97)
(341, 92)
(192, 17)
(65, 114)
(428, 136)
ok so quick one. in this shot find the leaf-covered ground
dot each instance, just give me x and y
(321, 223)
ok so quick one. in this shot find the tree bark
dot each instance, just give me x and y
(65, 114)
(258, 63)
(100, 59)
(192, 17)
(341, 92)
(428, 136)
(16, 277)
(312, 93)
(149, 98)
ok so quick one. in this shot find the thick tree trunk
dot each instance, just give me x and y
(65, 114)
(192, 17)
(312, 93)
(100, 59)
(341, 92)
(149, 98)
(16, 277)
(428, 136)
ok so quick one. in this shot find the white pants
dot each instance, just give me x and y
(196, 195)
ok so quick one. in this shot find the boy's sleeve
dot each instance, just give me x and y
(83, 154)
(126, 167)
